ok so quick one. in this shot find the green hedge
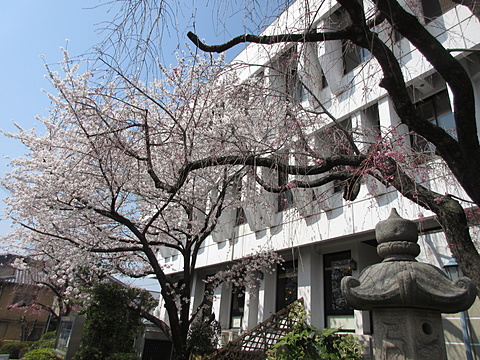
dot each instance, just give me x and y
(122, 356)
(40, 354)
(14, 347)
(46, 341)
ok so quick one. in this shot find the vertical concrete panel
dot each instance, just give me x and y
(310, 284)
(250, 317)
(266, 298)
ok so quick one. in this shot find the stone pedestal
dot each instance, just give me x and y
(408, 334)
(406, 297)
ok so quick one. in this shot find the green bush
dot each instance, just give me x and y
(14, 347)
(22, 352)
(46, 341)
(40, 354)
(49, 336)
(305, 342)
(203, 336)
(94, 354)
(112, 326)
(122, 356)
(88, 352)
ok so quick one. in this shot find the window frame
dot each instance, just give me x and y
(287, 275)
(432, 9)
(420, 144)
(237, 306)
(331, 279)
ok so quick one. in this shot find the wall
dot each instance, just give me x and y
(22, 323)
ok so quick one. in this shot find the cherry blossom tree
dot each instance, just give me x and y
(126, 169)
(376, 26)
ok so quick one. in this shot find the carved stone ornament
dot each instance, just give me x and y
(401, 281)
(406, 297)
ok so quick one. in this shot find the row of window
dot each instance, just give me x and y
(352, 55)
(436, 109)
(284, 75)
(336, 266)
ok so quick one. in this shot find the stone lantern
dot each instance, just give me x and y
(406, 297)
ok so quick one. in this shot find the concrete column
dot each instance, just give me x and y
(216, 303)
(250, 316)
(198, 288)
(389, 119)
(267, 296)
(310, 285)
(331, 57)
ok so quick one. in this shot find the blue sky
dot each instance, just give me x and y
(31, 28)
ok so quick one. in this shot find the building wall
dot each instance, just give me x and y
(17, 323)
(309, 233)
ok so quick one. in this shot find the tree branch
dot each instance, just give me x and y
(269, 39)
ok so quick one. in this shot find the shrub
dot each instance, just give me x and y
(112, 326)
(22, 352)
(203, 336)
(13, 348)
(305, 342)
(122, 356)
(87, 352)
(95, 354)
(46, 341)
(49, 336)
(40, 354)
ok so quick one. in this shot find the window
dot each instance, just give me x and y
(295, 88)
(353, 56)
(240, 217)
(371, 124)
(36, 333)
(23, 299)
(237, 307)
(336, 267)
(285, 198)
(288, 67)
(341, 146)
(287, 284)
(324, 81)
(64, 333)
(333, 140)
(437, 110)
(208, 297)
(338, 138)
(434, 8)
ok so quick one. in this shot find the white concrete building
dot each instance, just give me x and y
(324, 241)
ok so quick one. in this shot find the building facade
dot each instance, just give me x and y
(323, 241)
(19, 319)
